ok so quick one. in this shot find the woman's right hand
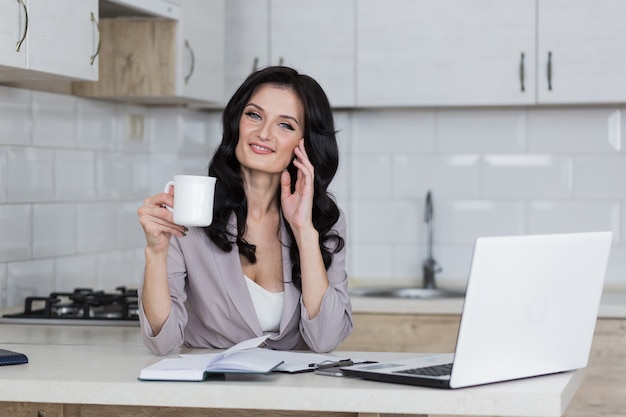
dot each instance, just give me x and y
(157, 221)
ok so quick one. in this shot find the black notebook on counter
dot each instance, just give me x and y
(8, 357)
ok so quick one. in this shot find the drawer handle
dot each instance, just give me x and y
(521, 72)
(550, 71)
(19, 43)
(193, 61)
(93, 57)
(255, 64)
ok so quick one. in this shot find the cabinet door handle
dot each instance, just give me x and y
(550, 71)
(193, 61)
(93, 57)
(255, 64)
(521, 72)
(280, 61)
(19, 43)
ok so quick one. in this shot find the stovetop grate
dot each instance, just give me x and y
(83, 304)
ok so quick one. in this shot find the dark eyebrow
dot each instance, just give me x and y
(286, 116)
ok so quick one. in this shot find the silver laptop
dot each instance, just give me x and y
(530, 309)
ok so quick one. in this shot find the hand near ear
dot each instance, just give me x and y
(298, 206)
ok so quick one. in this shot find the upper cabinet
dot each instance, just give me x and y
(200, 50)
(445, 52)
(581, 51)
(314, 37)
(486, 52)
(151, 60)
(43, 40)
(247, 41)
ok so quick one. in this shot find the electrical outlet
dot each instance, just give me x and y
(135, 127)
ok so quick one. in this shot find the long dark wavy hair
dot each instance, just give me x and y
(320, 144)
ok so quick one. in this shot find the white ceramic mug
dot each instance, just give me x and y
(193, 199)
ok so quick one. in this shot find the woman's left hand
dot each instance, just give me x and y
(298, 206)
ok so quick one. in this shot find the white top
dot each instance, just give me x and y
(268, 305)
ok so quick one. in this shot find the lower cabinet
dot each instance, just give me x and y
(10, 409)
(22, 409)
(601, 393)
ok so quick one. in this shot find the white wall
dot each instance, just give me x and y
(491, 171)
(71, 180)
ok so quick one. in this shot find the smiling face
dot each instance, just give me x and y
(270, 127)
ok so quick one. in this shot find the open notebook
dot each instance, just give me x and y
(530, 309)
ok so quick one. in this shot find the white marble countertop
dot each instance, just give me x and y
(612, 305)
(100, 365)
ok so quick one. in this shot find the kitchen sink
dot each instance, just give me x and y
(410, 292)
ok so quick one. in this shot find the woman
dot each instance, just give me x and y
(273, 260)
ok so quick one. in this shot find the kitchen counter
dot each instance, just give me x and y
(98, 366)
(612, 305)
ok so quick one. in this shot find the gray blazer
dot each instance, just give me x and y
(212, 308)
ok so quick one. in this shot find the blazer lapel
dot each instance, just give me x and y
(292, 294)
(231, 274)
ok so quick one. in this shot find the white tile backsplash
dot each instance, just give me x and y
(54, 120)
(163, 167)
(29, 278)
(373, 262)
(3, 175)
(73, 173)
(16, 231)
(580, 216)
(371, 222)
(462, 221)
(166, 129)
(129, 231)
(96, 226)
(3, 286)
(195, 133)
(371, 176)
(76, 272)
(393, 131)
(600, 176)
(616, 270)
(15, 116)
(54, 230)
(489, 131)
(30, 174)
(527, 176)
(573, 130)
(446, 176)
(115, 174)
(97, 123)
(118, 268)
(133, 128)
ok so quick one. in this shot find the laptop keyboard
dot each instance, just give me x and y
(436, 370)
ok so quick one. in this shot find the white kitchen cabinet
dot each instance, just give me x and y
(581, 51)
(201, 50)
(148, 60)
(445, 52)
(59, 40)
(11, 32)
(247, 41)
(314, 37)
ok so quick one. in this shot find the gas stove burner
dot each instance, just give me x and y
(82, 304)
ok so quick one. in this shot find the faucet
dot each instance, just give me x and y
(430, 266)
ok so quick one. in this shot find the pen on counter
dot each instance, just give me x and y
(330, 364)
